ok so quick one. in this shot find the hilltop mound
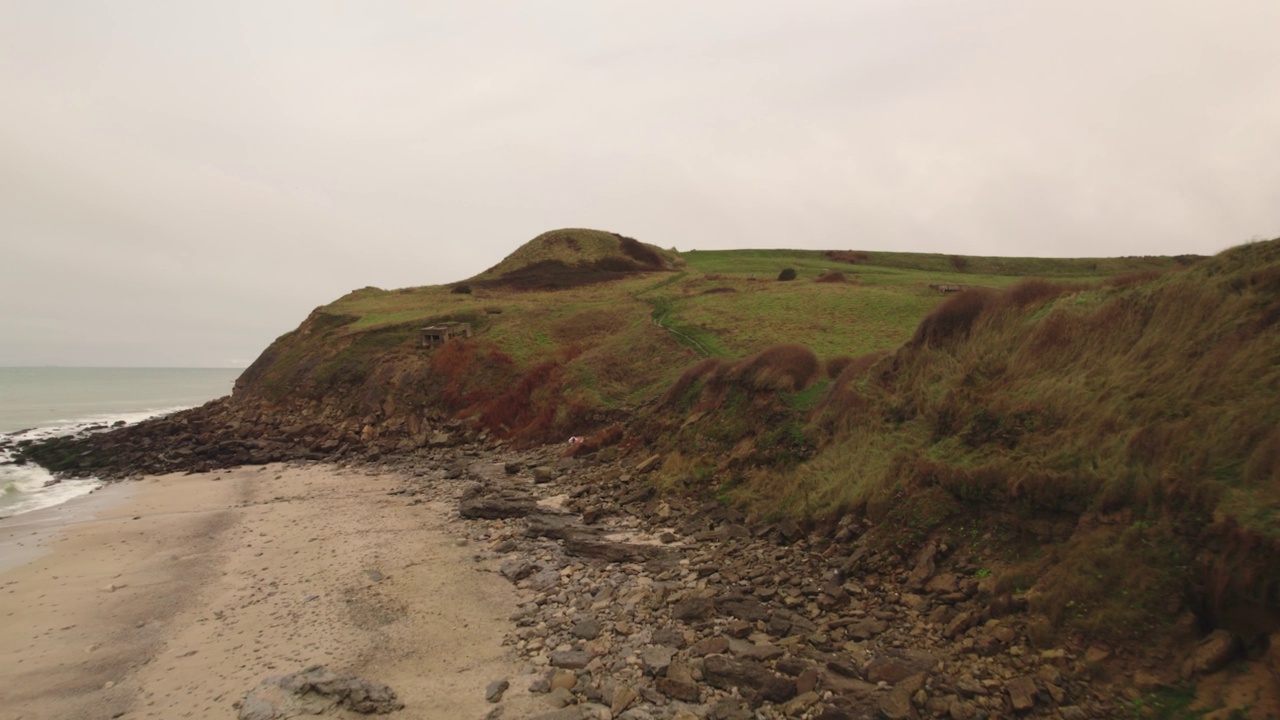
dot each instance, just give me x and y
(574, 256)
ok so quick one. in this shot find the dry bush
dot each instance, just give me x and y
(860, 365)
(851, 257)
(517, 412)
(835, 276)
(639, 252)
(1134, 278)
(718, 290)
(708, 367)
(461, 289)
(611, 435)
(836, 365)
(958, 263)
(953, 319)
(1030, 292)
(787, 274)
(781, 367)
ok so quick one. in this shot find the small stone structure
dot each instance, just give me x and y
(437, 335)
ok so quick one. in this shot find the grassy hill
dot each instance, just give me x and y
(1074, 425)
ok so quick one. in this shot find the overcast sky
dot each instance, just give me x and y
(181, 182)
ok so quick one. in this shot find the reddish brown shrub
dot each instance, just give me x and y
(511, 412)
(952, 320)
(836, 365)
(790, 367)
(706, 367)
(611, 435)
(835, 276)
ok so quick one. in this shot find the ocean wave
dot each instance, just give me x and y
(30, 487)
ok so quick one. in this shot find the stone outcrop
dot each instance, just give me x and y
(316, 691)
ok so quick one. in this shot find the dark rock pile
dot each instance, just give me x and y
(637, 606)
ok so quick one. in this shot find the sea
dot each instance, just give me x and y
(43, 402)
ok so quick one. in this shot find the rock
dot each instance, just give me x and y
(747, 676)
(730, 709)
(543, 474)
(867, 629)
(570, 659)
(924, 567)
(563, 679)
(744, 608)
(709, 646)
(517, 568)
(959, 624)
(587, 628)
(750, 650)
(1096, 654)
(623, 696)
(511, 468)
(1147, 681)
(1022, 693)
(314, 691)
(895, 668)
(656, 659)
(796, 706)
(679, 683)
(896, 705)
(494, 692)
(693, 608)
(496, 507)
(648, 464)
(1212, 654)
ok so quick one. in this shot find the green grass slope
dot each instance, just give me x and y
(1107, 415)
(1115, 444)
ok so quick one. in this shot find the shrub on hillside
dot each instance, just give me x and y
(1134, 278)
(959, 264)
(953, 319)
(461, 290)
(1029, 292)
(706, 368)
(781, 367)
(835, 276)
(787, 274)
(836, 365)
(852, 257)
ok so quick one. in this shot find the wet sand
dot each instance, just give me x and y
(172, 596)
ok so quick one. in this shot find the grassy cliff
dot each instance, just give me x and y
(1076, 425)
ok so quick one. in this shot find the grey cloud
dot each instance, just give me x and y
(182, 182)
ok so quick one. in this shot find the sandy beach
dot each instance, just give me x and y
(172, 596)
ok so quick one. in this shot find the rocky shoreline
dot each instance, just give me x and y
(638, 607)
(645, 606)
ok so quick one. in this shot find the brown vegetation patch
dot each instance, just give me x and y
(555, 275)
(703, 369)
(781, 367)
(850, 257)
(835, 276)
(953, 319)
(641, 253)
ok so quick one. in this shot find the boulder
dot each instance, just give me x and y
(748, 676)
(316, 690)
